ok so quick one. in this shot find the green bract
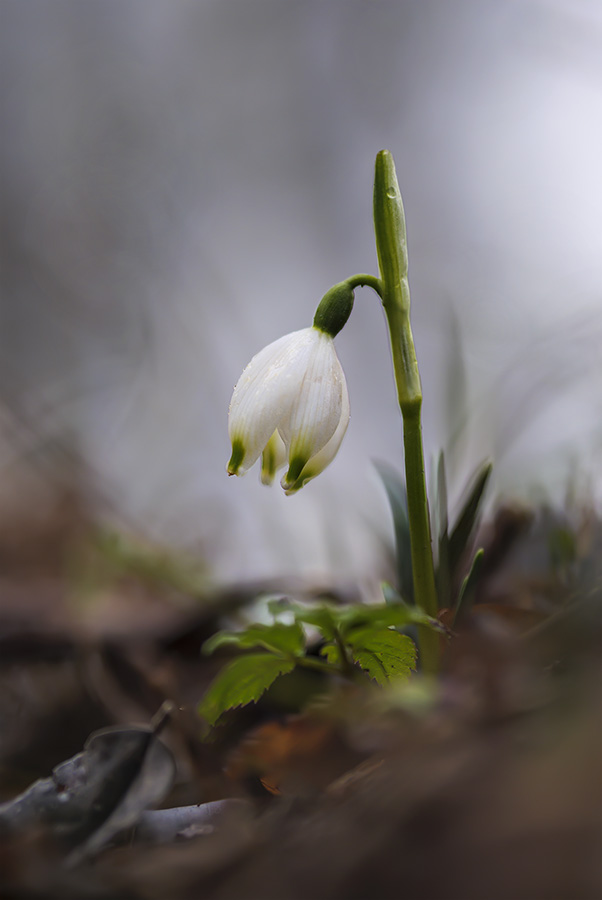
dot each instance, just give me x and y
(334, 309)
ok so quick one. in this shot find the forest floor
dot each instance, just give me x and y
(486, 785)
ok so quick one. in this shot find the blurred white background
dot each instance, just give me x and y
(182, 180)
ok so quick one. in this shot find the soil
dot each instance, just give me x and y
(486, 784)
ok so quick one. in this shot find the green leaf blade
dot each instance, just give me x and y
(395, 488)
(384, 654)
(443, 575)
(286, 639)
(332, 654)
(392, 613)
(242, 681)
(468, 588)
(321, 616)
(467, 519)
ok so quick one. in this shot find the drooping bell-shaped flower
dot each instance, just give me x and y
(291, 404)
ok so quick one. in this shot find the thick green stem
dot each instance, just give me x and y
(391, 247)
(425, 591)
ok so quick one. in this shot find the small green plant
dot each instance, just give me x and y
(354, 641)
(291, 408)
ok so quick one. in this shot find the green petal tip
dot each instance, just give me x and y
(238, 455)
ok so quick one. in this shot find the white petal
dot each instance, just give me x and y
(272, 458)
(323, 457)
(267, 390)
(317, 413)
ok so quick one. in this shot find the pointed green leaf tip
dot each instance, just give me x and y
(242, 681)
(334, 309)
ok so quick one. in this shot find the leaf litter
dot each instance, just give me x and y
(484, 785)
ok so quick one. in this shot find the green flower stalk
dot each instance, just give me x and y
(391, 248)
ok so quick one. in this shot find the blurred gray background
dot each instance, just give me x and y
(182, 180)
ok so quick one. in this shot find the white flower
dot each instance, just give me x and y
(291, 405)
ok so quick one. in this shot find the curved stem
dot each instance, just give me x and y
(366, 281)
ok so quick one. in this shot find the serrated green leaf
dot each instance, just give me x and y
(464, 527)
(332, 654)
(242, 681)
(394, 612)
(321, 616)
(287, 639)
(384, 654)
(398, 501)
